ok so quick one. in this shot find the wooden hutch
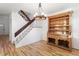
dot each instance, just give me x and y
(59, 30)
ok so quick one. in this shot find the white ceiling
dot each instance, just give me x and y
(31, 8)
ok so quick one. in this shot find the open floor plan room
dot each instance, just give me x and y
(39, 29)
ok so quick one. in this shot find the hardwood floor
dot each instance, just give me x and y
(40, 48)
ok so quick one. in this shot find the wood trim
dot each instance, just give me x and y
(61, 15)
(24, 15)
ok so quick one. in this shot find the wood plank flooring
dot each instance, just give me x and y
(40, 48)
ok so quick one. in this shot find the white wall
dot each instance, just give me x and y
(16, 23)
(4, 20)
(33, 36)
(43, 25)
(45, 29)
(75, 28)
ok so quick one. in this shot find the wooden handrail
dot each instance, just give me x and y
(24, 15)
(25, 26)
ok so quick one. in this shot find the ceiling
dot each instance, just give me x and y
(31, 8)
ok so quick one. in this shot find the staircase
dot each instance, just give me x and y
(23, 31)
